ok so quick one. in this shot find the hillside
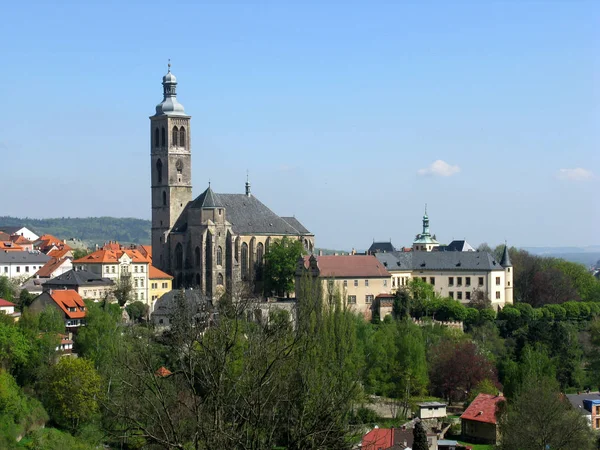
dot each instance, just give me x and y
(91, 230)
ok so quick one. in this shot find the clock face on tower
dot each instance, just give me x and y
(179, 165)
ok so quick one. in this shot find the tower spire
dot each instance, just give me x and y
(247, 183)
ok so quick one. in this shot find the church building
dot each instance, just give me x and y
(216, 240)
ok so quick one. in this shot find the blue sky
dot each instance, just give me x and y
(349, 115)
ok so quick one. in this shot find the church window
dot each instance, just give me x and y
(260, 251)
(163, 137)
(179, 257)
(237, 249)
(182, 137)
(156, 137)
(219, 256)
(244, 261)
(164, 198)
(197, 256)
(159, 167)
(220, 279)
(175, 137)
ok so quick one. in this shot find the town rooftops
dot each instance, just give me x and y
(455, 261)
(378, 438)
(457, 246)
(113, 257)
(14, 230)
(483, 408)
(76, 278)
(20, 240)
(10, 246)
(349, 266)
(23, 257)
(70, 302)
(157, 274)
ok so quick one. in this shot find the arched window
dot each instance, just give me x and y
(159, 171)
(237, 249)
(260, 253)
(197, 257)
(175, 137)
(156, 137)
(182, 137)
(244, 261)
(219, 256)
(163, 137)
(220, 279)
(179, 257)
(164, 198)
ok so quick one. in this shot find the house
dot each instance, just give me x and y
(118, 263)
(10, 246)
(67, 301)
(195, 303)
(47, 243)
(54, 267)
(87, 284)
(588, 404)
(431, 410)
(160, 283)
(8, 308)
(478, 422)
(21, 264)
(358, 278)
(381, 247)
(20, 230)
(22, 242)
(394, 439)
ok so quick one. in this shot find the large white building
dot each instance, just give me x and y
(455, 274)
(21, 265)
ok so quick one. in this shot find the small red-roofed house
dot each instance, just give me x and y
(8, 308)
(479, 423)
(54, 268)
(22, 242)
(9, 246)
(67, 301)
(46, 243)
(378, 439)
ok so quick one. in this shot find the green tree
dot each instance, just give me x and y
(51, 320)
(72, 390)
(137, 311)
(8, 289)
(80, 253)
(539, 417)
(419, 437)
(280, 266)
(15, 348)
(25, 299)
(123, 290)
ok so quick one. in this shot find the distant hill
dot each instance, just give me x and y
(91, 230)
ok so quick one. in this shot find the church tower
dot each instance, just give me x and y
(171, 164)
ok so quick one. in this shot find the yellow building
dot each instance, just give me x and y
(160, 283)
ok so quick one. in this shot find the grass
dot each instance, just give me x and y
(477, 446)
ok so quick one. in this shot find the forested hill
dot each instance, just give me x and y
(92, 230)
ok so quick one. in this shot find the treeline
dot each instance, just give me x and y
(92, 230)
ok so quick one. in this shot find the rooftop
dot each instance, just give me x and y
(349, 266)
(67, 300)
(76, 278)
(157, 274)
(483, 408)
(472, 261)
(23, 257)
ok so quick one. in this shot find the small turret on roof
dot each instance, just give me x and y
(207, 200)
(505, 261)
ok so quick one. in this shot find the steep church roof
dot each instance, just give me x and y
(455, 261)
(296, 224)
(207, 200)
(248, 215)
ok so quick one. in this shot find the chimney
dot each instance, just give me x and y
(353, 251)
(320, 252)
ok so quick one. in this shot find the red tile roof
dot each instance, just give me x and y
(156, 274)
(4, 236)
(48, 269)
(10, 246)
(147, 250)
(60, 252)
(68, 298)
(483, 408)
(378, 438)
(112, 257)
(5, 303)
(163, 372)
(349, 266)
(47, 241)
(20, 240)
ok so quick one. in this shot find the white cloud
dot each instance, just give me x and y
(577, 174)
(439, 168)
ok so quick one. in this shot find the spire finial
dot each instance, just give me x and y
(247, 183)
(425, 208)
(209, 182)
(169, 65)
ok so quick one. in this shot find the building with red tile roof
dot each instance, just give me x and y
(54, 268)
(378, 439)
(163, 372)
(479, 422)
(22, 241)
(67, 301)
(160, 284)
(359, 279)
(118, 262)
(47, 243)
(64, 252)
(7, 307)
(10, 246)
